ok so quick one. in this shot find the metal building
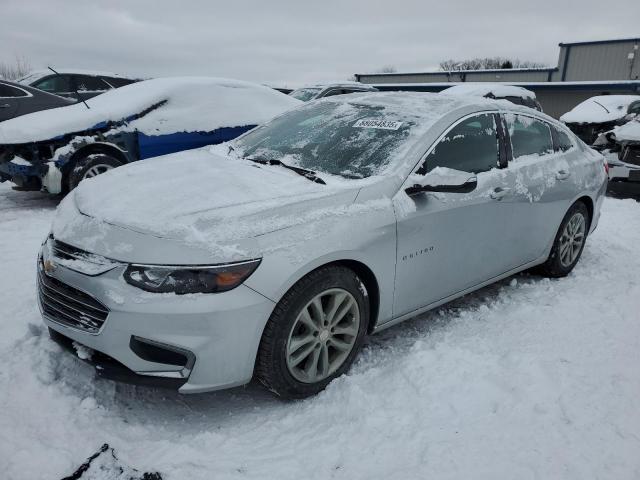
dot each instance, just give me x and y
(584, 69)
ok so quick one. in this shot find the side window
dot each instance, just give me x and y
(561, 141)
(54, 84)
(470, 146)
(7, 91)
(85, 83)
(528, 135)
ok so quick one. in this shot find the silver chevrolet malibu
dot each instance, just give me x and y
(273, 256)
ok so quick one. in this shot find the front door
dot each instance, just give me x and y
(448, 242)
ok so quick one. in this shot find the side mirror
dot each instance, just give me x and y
(442, 179)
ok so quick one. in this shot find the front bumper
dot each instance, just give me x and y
(220, 331)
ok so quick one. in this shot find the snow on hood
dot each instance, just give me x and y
(600, 109)
(198, 197)
(192, 104)
(483, 89)
(629, 132)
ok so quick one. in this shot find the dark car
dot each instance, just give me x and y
(66, 83)
(16, 100)
(320, 91)
(497, 91)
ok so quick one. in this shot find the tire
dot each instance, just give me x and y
(337, 289)
(560, 261)
(90, 166)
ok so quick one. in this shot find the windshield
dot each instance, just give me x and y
(347, 139)
(305, 94)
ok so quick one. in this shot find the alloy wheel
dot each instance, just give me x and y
(323, 335)
(572, 239)
(96, 170)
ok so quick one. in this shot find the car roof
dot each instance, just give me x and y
(36, 75)
(495, 89)
(34, 91)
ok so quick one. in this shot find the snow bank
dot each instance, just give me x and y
(498, 90)
(191, 104)
(600, 109)
(528, 379)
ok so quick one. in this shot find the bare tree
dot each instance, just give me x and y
(386, 69)
(12, 71)
(487, 63)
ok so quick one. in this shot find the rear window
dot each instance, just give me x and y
(529, 136)
(118, 82)
(305, 94)
(55, 84)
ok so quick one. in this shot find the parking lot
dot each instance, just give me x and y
(528, 378)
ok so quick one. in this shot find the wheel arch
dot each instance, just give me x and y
(588, 202)
(98, 147)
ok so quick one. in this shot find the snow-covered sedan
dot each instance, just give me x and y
(56, 149)
(273, 256)
(600, 114)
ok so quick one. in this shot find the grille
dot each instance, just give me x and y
(69, 306)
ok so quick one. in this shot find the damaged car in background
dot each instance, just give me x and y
(600, 114)
(621, 148)
(55, 150)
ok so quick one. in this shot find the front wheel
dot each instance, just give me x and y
(314, 333)
(569, 242)
(91, 166)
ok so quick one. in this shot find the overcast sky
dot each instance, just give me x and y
(297, 42)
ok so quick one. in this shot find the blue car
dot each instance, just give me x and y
(54, 150)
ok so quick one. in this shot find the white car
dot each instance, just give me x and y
(274, 255)
(621, 147)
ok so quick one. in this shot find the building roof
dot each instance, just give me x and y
(600, 42)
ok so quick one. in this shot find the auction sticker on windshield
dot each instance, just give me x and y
(373, 123)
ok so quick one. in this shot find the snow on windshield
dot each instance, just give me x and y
(355, 139)
(191, 104)
(600, 109)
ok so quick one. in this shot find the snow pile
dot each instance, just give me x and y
(539, 376)
(498, 90)
(184, 104)
(629, 132)
(600, 109)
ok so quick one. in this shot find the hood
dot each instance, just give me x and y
(211, 202)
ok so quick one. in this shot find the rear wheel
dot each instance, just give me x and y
(314, 333)
(91, 166)
(569, 242)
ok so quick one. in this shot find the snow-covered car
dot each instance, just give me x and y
(74, 83)
(16, 100)
(496, 91)
(274, 255)
(600, 114)
(621, 147)
(329, 90)
(56, 149)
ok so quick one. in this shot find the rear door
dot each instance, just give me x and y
(543, 182)
(9, 99)
(449, 242)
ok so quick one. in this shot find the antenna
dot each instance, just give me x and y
(74, 89)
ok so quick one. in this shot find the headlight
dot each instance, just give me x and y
(189, 279)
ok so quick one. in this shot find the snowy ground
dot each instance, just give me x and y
(526, 379)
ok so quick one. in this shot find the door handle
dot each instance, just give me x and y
(562, 174)
(498, 193)
(5, 105)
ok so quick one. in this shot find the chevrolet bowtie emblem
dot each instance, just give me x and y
(49, 266)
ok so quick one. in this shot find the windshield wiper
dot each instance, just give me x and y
(306, 173)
